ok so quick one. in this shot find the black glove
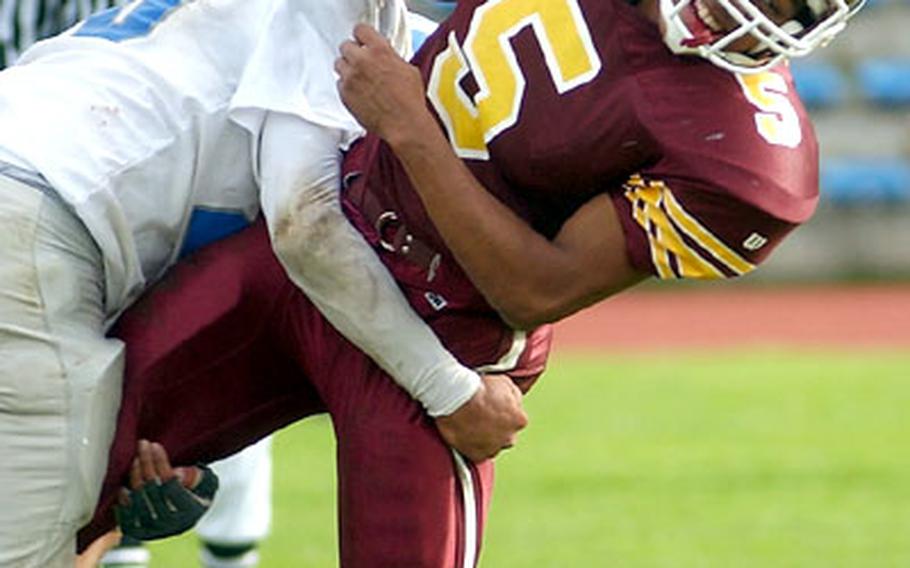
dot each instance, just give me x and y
(162, 509)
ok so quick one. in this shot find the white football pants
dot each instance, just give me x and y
(60, 378)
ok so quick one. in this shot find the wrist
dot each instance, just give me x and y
(448, 389)
(411, 134)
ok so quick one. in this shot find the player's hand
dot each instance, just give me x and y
(162, 500)
(488, 423)
(152, 464)
(383, 91)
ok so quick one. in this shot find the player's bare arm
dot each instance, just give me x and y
(585, 263)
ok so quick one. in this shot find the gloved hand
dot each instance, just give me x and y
(163, 501)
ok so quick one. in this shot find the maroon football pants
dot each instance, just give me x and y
(225, 350)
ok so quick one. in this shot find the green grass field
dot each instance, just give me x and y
(745, 459)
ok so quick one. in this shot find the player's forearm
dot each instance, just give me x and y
(516, 269)
(488, 239)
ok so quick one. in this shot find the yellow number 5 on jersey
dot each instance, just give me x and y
(487, 53)
(776, 121)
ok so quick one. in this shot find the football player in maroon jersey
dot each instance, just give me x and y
(537, 157)
(577, 121)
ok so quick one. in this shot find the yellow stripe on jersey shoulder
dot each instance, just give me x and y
(681, 247)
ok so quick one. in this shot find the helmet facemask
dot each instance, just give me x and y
(690, 27)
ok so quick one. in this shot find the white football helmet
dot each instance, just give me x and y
(693, 27)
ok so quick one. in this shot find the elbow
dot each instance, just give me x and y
(523, 321)
(528, 307)
(287, 237)
(534, 301)
(302, 231)
(525, 311)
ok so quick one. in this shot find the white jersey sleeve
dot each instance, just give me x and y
(332, 263)
(287, 101)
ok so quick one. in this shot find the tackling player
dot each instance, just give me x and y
(539, 157)
(124, 142)
(240, 516)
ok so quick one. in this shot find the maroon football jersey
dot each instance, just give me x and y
(551, 102)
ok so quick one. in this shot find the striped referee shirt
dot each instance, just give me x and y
(23, 22)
